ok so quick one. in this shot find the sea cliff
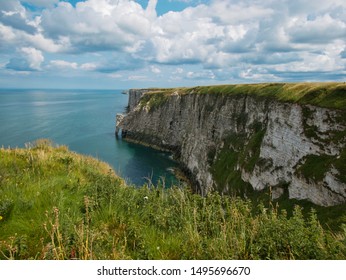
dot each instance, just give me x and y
(287, 138)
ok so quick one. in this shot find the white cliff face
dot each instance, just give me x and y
(270, 140)
(134, 97)
(286, 144)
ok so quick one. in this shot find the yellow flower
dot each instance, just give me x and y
(1, 218)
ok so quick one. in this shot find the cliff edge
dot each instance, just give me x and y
(290, 138)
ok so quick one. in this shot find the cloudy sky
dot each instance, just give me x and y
(128, 43)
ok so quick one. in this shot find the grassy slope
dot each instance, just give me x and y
(329, 95)
(55, 204)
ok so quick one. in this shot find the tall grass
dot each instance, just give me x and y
(56, 204)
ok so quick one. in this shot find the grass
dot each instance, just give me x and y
(154, 98)
(328, 95)
(55, 204)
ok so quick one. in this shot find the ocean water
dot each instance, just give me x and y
(84, 120)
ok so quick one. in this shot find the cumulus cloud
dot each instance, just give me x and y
(98, 25)
(6, 34)
(89, 66)
(30, 59)
(13, 14)
(257, 74)
(62, 64)
(224, 39)
(320, 30)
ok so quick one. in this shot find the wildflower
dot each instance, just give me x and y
(1, 218)
(146, 198)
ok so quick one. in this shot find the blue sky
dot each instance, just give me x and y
(168, 43)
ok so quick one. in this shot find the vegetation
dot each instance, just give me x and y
(155, 98)
(55, 204)
(328, 95)
(239, 151)
(315, 167)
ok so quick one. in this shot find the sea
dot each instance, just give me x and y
(83, 120)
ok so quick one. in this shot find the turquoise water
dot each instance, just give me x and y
(85, 122)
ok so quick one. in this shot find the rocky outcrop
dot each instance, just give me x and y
(119, 118)
(134, 97)
(229, 142)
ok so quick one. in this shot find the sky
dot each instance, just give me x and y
(120, 44)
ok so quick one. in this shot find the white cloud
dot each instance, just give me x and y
(13, 14)
(64, 64)
(151, 9)
(231, 12)
(29, 59)
(201, 75)
(257, 74)
(34, 57)
(224, 39)
(6, 34)
(89, 66)
(98, 25)
(312, 63)
(321, 30)
(155, 70)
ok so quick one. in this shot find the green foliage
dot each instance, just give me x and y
(154, 99)
(224, 167)
(67, 206)
(6, 207)
(315, 167)
(239, 151)
(294, 238)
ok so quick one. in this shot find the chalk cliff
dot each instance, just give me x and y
(290, 138)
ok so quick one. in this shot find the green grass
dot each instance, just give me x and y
(55, 204)
(154, 99)
(329, 95)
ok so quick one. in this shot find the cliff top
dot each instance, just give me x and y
(329, 95)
